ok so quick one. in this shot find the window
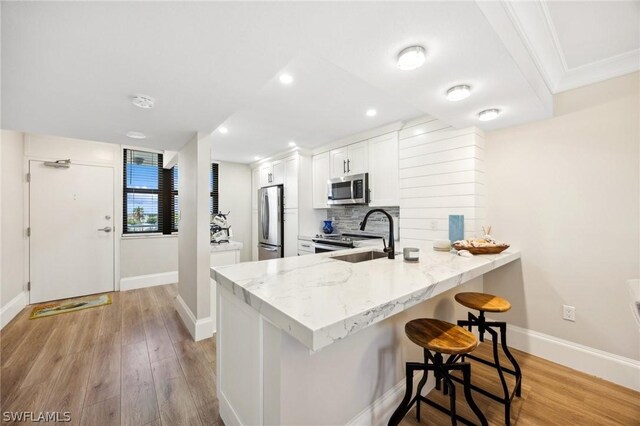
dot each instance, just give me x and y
(142, 192)
(151, 202)
(214, 201)
(175, 206)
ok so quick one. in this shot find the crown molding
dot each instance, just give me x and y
(537, 36)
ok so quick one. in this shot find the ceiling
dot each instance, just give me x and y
(69, 69)
(324, 103)
(571, 43)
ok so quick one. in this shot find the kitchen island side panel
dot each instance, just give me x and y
(285, 383)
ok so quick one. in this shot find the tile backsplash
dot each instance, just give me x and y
(348, 218)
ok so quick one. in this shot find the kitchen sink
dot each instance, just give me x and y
(361, 257)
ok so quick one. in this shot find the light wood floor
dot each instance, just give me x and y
(134, 363)
(129, 363)
(551, 395)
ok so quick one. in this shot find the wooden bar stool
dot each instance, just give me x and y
(483, 302)
(436, 338)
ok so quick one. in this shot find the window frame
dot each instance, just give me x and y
(214, 193)
(159, 192)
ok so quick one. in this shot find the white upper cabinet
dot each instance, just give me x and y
(384, 179)
(266, 175)
(255, 185)
(338, 162)
(357, 161)
(321, 174)
(290, 182)
(277, 173)
(272, 173)
(349, 160)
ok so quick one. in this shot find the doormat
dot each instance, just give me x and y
(66, 306)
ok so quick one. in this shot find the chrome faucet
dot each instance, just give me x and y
(390, 250)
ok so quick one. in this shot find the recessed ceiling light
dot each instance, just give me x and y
(136, 135)
(411, 58)
(223, 130)
(458, 93)
(286, 79)
(292, 143)
(256, 158)
(488, 114)
(371, 112)
(143, 101)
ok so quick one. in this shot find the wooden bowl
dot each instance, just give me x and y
(481, 250)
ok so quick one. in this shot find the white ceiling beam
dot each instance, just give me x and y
(509, 29)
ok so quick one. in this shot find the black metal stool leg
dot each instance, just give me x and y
(512, 360)
(466, 374)
(452, 396)
(421, 384)
(405, 404)
(503, 381)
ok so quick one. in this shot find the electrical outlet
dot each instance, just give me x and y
(568, 313)
(434, 225)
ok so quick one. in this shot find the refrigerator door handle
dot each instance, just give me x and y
(266, 213)
(268, 248)
(262, 213)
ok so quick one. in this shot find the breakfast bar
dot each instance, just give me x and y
(318, 340)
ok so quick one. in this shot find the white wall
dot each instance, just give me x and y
(194, 299)
(235, 196)
(13, 228)
(567, 192)
(148, 255)
(441, 174)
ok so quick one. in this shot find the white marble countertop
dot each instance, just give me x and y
(319, 300)
(231, 245)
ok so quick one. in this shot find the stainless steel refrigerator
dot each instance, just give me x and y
(270, 223)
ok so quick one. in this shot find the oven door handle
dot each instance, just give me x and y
(329, 247)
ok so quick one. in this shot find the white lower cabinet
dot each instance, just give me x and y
(290, 232)
(224, 258)
(305, 247)
(220, 258)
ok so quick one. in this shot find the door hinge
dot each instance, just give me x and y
(28, 231)
(28, 177)
(29, 286)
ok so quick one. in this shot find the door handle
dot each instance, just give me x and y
(269, 249)
(348, 166)
(105, 229)
(344, 166)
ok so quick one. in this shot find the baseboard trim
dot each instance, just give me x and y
(380, 411)
(227, 413)
(12, 308)
(143, 281)
(611, 367)
(199, 329)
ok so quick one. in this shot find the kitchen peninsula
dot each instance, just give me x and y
(317, 340)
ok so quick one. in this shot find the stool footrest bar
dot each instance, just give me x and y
(445, 410)
(490, 364)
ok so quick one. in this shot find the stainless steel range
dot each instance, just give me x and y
(325, 243)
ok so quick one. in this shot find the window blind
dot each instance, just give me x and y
(175, 203)
(214, 202)
(142, 192)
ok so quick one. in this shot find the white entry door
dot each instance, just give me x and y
(71, 248)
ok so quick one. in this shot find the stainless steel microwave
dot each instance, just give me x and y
(352, 189)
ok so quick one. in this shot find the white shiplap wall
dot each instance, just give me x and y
(441, 173)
